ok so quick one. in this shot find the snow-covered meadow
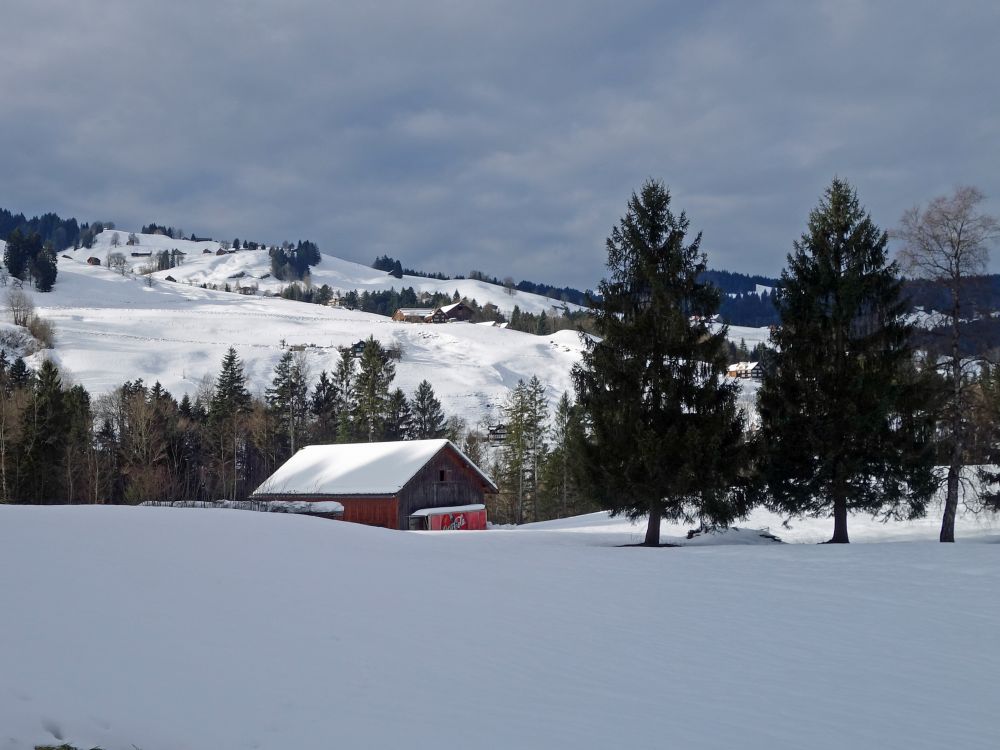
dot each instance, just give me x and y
(177, 629)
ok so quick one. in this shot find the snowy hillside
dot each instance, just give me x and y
(253, 267)
(111, 328)
(173, 629)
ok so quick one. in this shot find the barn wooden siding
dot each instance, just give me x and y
(371, 510)
(461, 485)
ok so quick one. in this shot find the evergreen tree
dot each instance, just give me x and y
(523, 449)
(325, 408)
(288, 399)
(15, 255)
(344, 381)
(229, 405)
(399, 417)
(844, 425)
(664, 434)
(43, 268)
(20, 375)
(428, 417)
(230, 395)
(559, 493)
(371, 389)
(43, 442)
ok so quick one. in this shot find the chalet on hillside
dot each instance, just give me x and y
(457, 311)
(420, 315)
(92, 261)
(412, 484)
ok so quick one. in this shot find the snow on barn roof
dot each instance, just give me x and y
(356, 468)
(415, 311)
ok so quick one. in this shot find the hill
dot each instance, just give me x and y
(174, 629)
(111, 328)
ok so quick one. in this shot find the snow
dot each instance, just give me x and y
(304, 506)
(111, 328)
(354, 468)
(176, 629)
(253, 267)
(452, 509)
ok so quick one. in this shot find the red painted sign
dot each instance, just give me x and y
(467, 520)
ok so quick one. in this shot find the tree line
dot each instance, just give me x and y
(138, 442)
(853, 418)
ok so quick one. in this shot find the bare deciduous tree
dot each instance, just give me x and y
(118, 262)
(948, 243)
(20, 305)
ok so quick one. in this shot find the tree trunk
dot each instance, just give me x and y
(957, 436)
(839, 521)
(950, 503)
(653, 527)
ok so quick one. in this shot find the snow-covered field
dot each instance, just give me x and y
(175, 629)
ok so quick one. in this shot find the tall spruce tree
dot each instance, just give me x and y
(288, 400)
(399, 417)
(325, 407)
(664, 438)
(845, 424)
(229, 405)
(371, 389)
(428, 417)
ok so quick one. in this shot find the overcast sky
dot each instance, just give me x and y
(499, 136)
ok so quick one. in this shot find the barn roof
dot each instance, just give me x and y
(416, 311)
(357, 468)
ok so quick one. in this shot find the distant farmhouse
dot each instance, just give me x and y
(457, 311)
(745, 370)
(412, 484)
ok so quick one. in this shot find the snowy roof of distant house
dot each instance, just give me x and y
(357, 468)
(448, 308)
(416, 311)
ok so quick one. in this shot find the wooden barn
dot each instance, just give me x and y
(419, 315)
(457, 311)
(413, 484)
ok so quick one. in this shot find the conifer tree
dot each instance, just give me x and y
(428, 417)
(371, 389)
(325, 407)
(399, 417)
(844, 423)
(344, 379)
(664, 434)
(525, 415)
(559, 494)
(43, 442)
(230, 403)
(287, 399)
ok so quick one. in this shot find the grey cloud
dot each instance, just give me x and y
(504, 137)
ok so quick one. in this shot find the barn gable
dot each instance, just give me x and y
(358, 468)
